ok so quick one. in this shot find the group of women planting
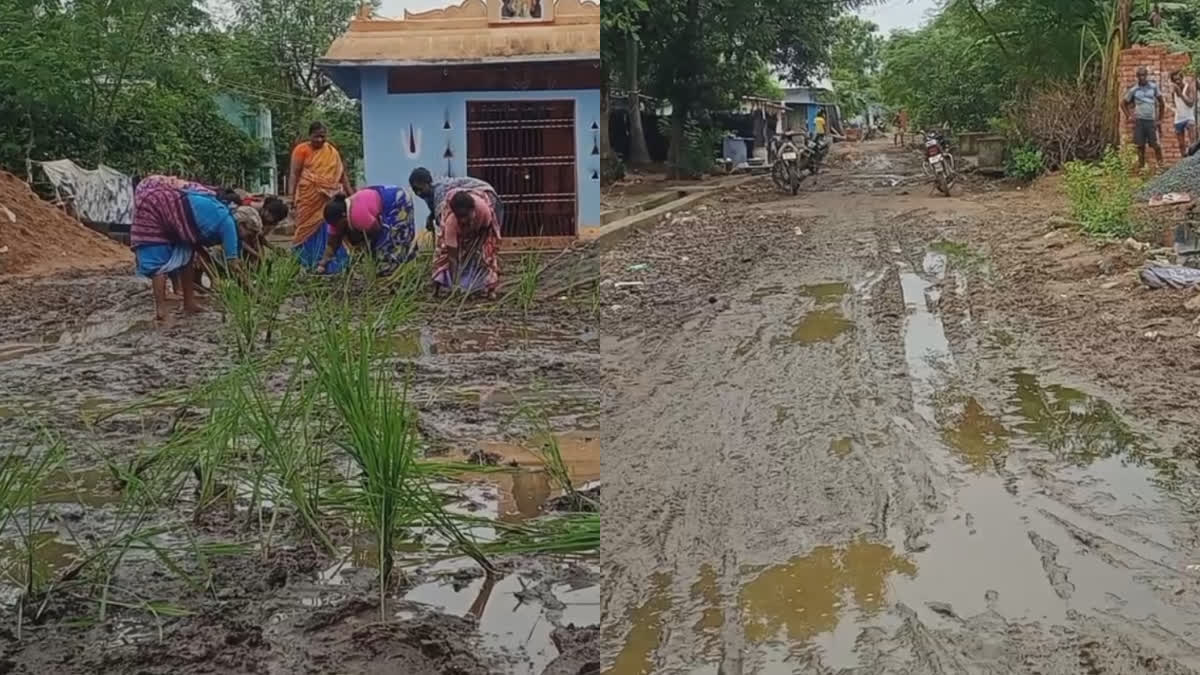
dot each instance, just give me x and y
(175, 221)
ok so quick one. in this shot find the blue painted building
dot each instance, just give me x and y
(509, 93)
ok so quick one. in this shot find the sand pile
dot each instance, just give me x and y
(39, 238)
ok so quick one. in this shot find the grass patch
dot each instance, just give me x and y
(1102, 194)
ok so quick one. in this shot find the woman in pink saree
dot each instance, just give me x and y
(468, 245)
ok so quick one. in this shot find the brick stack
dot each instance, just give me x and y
(1161, 63)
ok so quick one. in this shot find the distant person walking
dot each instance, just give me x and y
(1144, 104)
(901, 127)
(317, 174)
(1183, 97)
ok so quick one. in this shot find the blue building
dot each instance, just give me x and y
(255, 121)
(506, 91)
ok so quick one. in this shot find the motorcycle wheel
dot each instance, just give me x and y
(943, 183)
(794, 175)
(779, 175)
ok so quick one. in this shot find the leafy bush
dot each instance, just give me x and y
(1025, 162)
(1062, 119)
(700, 144)
(1101, 194)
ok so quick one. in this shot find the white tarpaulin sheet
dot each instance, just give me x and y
(103, 195)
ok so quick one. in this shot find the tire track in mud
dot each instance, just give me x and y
(794, 494)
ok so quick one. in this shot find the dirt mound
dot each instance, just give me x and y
(40, 239)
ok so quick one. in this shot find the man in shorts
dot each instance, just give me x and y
(1145, 105)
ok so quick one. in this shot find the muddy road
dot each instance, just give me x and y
(835, 442)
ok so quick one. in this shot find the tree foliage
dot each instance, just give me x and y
(705, 54)
(854, 64)
(133, 83)
(977, 56)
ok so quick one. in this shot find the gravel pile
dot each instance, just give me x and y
(1183, 177)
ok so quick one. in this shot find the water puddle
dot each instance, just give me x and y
(841, 447)
(645, 631)
(1070, 423)
(523, 492)
(926, 348)
(513, 613)
(413, 343)
(825, 294)
(1063, 508)
(977, 437)
(50, 555)
(794, 603)
(707, 595)
(822, 325)
(91, 487)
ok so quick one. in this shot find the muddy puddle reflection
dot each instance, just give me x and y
(826, 294)
(514, 619)
(51, 554)
(645, 625)
(524, 491)
(1070, 423)
(978, 438)
(792, 603)
(1063, 507)
(822, 325)
(90, 487)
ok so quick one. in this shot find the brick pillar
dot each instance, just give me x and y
(1161, 64)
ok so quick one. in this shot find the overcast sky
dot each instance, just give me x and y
(395, 8)
(894, 14)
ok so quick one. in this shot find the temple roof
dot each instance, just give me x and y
(467, 34)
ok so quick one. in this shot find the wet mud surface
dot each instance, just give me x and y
(77, 352)
(836, 443)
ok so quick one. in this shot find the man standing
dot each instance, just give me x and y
(1145, 105)
(901, 127)
(1184, 100)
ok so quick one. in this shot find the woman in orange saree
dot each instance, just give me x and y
(317, 175)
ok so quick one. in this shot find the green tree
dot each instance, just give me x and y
(269, 54)
(854, 64)
(622, 61)
(978, 56)
(765, 84)
(705, 52)
(113, 82)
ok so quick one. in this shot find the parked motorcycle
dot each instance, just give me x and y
(818, 150)
(790, 161)
(939, 162)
